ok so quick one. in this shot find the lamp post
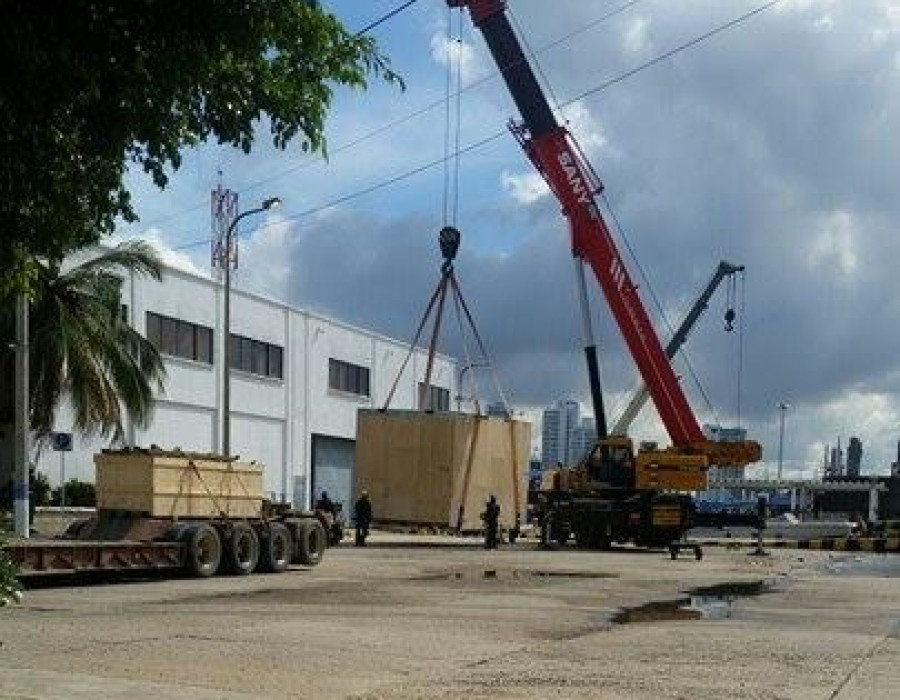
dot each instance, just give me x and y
(783, 406)
(22, 445)
(267, 204)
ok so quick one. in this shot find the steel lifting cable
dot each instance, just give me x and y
(476, 389)
(412, 346)
(457, 154)
(447, 88)
(452, 121)
(481, 345)
(740, 370)
(542, 76)
(659, 307)
(622, 234)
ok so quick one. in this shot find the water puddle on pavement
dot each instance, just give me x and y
(708, 603)
(510, 575)
(877, 565)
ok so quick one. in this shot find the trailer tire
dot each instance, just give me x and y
(311, 542)
(75, 528)
(202, 550)
(241, 550)
(275, 550)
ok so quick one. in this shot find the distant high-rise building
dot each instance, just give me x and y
(556, 426)
(854, 457)
(895, 466)
(498, 409)
(581, 439)
(717, 433)
(834, 469)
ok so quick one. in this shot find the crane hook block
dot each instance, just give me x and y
(449, 238)
(729, 320)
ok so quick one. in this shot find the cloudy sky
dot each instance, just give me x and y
(771, 144)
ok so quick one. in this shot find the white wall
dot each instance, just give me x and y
(272, 419)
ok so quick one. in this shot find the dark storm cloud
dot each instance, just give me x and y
(772, 146)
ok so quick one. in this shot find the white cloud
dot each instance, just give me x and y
(810, 428)
(824, 23)
(834, 244)
(177, 259)
(525, 188)
(585, 127)
(637, 36)
(458, 52)
(266, 258)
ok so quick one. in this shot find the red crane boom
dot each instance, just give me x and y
(559, 160)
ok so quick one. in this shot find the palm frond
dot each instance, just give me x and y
(84, 351)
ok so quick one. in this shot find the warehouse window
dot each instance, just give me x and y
(437, 399)
(172, 336)
(256, 357)
(344, 376)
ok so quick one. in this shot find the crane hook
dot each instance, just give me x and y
(449, 239)
(729, 319)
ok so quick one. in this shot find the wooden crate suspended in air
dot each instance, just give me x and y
(420, 467)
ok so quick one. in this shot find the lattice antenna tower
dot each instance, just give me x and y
(223, 210)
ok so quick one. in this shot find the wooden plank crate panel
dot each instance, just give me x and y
(176, 485)
(414, 466)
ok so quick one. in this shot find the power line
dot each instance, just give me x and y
(678, 49)
(396, 11)
(313, 159)
(366, 190)
(478, 144)
(200, 205)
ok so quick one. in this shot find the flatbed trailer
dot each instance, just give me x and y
(116, 542)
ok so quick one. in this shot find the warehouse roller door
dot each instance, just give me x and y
(332, 470)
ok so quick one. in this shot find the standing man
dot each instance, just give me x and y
(491, 517)
(362, 514)
(325, 504)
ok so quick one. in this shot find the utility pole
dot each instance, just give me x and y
(783, 406)
(229, 247)
(22, 448)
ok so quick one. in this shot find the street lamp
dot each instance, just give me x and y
(783, 406)
(267, 204)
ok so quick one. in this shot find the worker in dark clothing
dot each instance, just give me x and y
(325, 504)
(362, 514)
(32, 499)
(491, 517)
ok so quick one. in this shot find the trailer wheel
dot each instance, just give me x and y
(310, 542)
(276, 549)
(240, 549)
(203, 550)
(75, 528)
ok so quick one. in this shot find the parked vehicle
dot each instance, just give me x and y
(196, 514)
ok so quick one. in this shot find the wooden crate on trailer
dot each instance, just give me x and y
(176, 484)
(421, 467)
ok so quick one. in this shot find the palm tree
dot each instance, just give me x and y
(82, 348)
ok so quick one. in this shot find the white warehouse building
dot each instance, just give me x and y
(297, 381)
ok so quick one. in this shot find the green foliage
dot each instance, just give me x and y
(40, 489)
(82, 348)
(10, 589)
(90, 87)
(78, 494)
